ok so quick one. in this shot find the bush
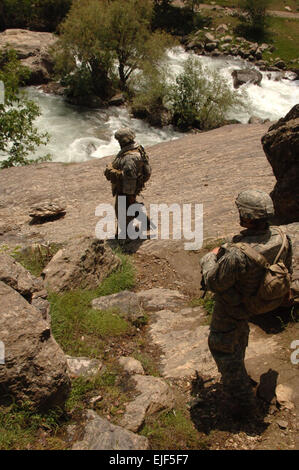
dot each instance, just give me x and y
(200, 98)
(150, 97)
(40, 15)
(18, 136)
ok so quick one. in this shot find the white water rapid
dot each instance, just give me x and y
(81, 134)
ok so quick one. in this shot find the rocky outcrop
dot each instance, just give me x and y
(154, 395)
(17, 277)
(99, 434)
(132, 304)
(85, 262)
(35, 367)
(281, 146)
(31, 288)
(32, 49)
(243, 76)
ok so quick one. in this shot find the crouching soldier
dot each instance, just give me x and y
(128, 173)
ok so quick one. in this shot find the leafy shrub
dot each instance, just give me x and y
(18, 136)
(200, 98)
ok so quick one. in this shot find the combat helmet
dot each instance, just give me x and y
(254, 204)
(125, 136)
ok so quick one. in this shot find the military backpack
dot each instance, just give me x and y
(275, 284)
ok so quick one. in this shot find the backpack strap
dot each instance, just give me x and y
(283, 244)
(253, 254)
(257, 257)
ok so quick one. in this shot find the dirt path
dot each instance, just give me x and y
(206, 6)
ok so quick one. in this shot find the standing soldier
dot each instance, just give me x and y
(235, 272)
(128, 173)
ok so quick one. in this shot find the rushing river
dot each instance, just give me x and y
(79, 134)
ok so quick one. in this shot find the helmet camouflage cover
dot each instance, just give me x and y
(254, 204)
(125, 136)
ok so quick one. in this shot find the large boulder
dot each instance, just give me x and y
(248, 75)
(32, 49)
(17, 277)
(281, 146)
(85, 262)
(35, 367)
(31, 288)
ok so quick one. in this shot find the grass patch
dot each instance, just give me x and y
(172, 430)
(149, 365)
(284, 37)
(36, 257)
(207, 302)
(21, 428)
(82, 330)
(106, 385)
(79, 329)
(120, 280)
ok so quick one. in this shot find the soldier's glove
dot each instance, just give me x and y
(107, 173)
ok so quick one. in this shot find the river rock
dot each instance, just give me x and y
(210, 46)
(46, 211)
(35, 367)
(85, 262)
(99, 434)
(155, 395)
(281, 146)
(243, 76)
(32, 48)
(117, 100)
(222, 28)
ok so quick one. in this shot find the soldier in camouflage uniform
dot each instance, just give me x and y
(233, 277)
(129, 170)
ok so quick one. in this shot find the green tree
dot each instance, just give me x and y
(19, 138)
(254, 20)
(98, 34)
(200, 98)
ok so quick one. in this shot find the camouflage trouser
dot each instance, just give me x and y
(130, 199)
(236, 382)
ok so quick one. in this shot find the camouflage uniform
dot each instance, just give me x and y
(233, 276)
(129, 164)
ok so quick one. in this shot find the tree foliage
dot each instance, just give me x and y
(19, 138)
(108, 40)
(40, 15)
(200, 98)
